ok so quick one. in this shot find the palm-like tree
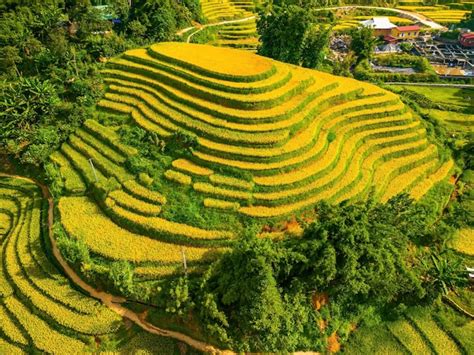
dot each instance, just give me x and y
(445, 274)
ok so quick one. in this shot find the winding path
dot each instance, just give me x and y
(199, 29)
(109, 300)
(411, 15)
(441, 85)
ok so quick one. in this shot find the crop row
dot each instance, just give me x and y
(438, 340)
(326, 152)
(225, 64)
(141, 192)
(72, 180)
(189, 167)
(131, 203)
(231, 181)
(102, 148)
(43, 337)
(266, 171)
(80, 163)
(221, 204)
(178, 99)
(163, 229)
(10, 329)
(173, 107)
(99, 161)
(441, 173)
(50, 308)
(328, 192)
(247, 101)
(335, 162)
(82, 218)
(178, 177)
(298, 144)
(109, 136)
(281, 77)
(148, 106)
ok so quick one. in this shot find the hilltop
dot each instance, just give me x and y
(231, 139)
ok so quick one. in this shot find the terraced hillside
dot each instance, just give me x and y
(242, 34)
(272, 139)
(443, 14)
(294, 131)
(421, 331)
(39, 310)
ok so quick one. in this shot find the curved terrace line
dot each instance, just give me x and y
(411, 15)
(109, 300)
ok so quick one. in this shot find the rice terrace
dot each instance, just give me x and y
(229, 176)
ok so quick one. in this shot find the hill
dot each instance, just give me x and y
(271, 140)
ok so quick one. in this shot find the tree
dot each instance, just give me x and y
(315, 46)
(25, 105)
(445, 273)
(241, 289)
(121, 274)
(283, 33)
(468, 21)
(363, 43)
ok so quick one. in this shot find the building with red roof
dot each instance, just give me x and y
(406, 32)
(467, 39)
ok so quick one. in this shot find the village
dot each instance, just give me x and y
(450, 57)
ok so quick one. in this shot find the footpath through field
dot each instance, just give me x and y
(458, 86)
(111, 301)
(408, 14)
(202, 27)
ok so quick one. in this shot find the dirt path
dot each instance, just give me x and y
(199, 29)
(459, 86)
(111, 301)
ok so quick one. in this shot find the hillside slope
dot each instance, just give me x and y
(301, 135)
(272, 140)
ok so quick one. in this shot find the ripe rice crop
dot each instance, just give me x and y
(220, 204)
(218, 191)
(39, 309)
(162, 228)
(222, 63)
(230, 181)
(178, 177)
(143, 193)
(133, 204)
(419, 190)
(440, 341)
(77, 212)
(409, 337)
(190, 167)
(464, 241)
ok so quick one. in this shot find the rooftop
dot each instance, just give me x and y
(378, 23)
(408, 28)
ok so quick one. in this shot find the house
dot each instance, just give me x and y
(381, 25)
(406, 32)
(467, 39)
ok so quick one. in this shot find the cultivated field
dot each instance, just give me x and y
(39, 309)
(242, 35)
(273, 139)
(443, 14)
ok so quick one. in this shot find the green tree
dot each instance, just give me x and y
(315, 46)
(283, 33)
(445, 272)
(25, 104)
(363, 43)
(241, 289)
(121, 274)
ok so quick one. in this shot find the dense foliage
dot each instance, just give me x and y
(361, 257)
(51, 53)
(290, 33)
